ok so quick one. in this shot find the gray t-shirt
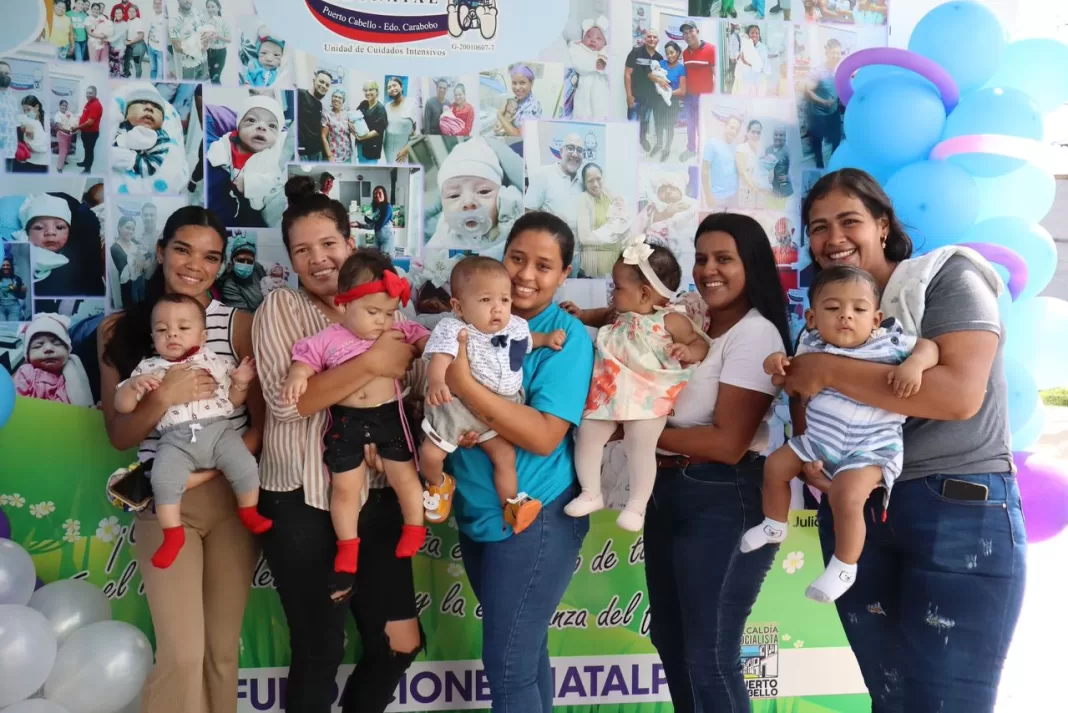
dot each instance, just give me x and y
(959, 299)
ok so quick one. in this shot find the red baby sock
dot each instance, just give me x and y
(411, 539)
(251, 518)
(173, 540)
(348, 551)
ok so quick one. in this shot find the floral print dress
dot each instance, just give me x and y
(337, 133)
(634, 378)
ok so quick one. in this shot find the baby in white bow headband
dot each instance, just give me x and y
(643, 360)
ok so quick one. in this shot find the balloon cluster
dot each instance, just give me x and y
(59, 650)
(953, 129)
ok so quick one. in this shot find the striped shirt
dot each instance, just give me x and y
(221, 343)
(292, 455)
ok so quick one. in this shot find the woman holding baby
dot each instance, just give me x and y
(940, 582)
(301, 545)
(198, 602)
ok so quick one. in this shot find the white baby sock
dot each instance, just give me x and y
(769, 532)
(833, 583)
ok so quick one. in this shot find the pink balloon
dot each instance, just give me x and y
(1043, 485)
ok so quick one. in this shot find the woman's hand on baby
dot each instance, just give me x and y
(184, 384)
(460, 368)
(438, 394)
(468, 439)
(775, 364)
(389, 356)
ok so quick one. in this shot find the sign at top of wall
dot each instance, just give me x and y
(418, 37)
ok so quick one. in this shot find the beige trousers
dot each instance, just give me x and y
(197, 603)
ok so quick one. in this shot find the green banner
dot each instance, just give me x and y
(794, 653)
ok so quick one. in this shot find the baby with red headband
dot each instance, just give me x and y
(369, 294)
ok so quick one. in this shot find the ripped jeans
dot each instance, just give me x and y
(939, 589)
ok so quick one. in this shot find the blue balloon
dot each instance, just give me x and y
(1031, 241)
(7, 397)
(895, 120)
(935, 201)
(876, 71)
(1023, 394)
(994, 110)
(1027, 193)
(846, 157)
(1036, 334)
(1026, 435)
(1037, 68)
(965, 38)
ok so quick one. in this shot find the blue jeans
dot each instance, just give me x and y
(81, 51)
(157, 63)
(938, 592)
(520, 582)
(701, 587)
(692, 105)
(384, 239)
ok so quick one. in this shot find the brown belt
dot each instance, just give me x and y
(679, 462)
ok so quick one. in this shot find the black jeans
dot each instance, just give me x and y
(90, 138)
(300, 552)
(216, 64)
(701, 587)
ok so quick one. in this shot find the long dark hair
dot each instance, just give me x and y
(33, 101)
(306, 200)
(374, 194)
(762, 286)
(862, 186)
(554, 226)
(131, 338)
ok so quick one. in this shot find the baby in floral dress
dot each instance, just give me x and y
(643, 361)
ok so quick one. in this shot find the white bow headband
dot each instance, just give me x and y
(637, 253)
(601, 23)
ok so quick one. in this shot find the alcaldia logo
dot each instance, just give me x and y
(406, 21)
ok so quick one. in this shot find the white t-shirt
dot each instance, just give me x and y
(496, 359)
(134, 28)
(736, 358)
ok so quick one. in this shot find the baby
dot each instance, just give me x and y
(262, 70)
(359, 123)
(47, 228)
(642, 362)
(148, 152)
(477, 211)
(589, 59)
(277, 278)
(245, 175)
(98, 27)
(196, 435)
(664, 90)
(859, 446)
(497, 343)
(450, 124)
(510, 109)
(369, 294)
(51, 372)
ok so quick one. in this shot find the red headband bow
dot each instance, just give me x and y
(391, 283)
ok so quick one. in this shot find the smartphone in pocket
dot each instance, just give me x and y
(964, 490)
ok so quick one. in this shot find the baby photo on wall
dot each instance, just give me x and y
(755, 54)
(447, 106)
(73, 116)
(156, 145)
(59, 218)
(667, 211)
(586, 50)
(383, 202)
(50, 356)
(24, 138)
(584, 174)
(256, 264)
(128, 38)
(250, 143)
(135, 226)
(16, 280)
(85, 316)
(522, 92)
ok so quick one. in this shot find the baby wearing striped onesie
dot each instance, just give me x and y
(857, 445)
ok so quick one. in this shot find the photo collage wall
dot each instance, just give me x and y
(639, 118)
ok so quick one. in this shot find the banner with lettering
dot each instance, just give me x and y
(114, 115)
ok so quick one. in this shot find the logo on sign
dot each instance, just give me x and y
(760, 660)
(402, 22)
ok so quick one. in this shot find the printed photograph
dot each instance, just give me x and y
(667, 211)
(583, 47)
(60, 220)
(16, 279)
(751, 9)
(582, 173)
(383, 202)
(510, 97)
(641, 17)
(818, 50)
(360, 117)
(250, 142)
(52, 356)
(447, 107)
(135, 226)
(749, 156)
(74, 114)
(157, 144)
(755, 59)
(257, 263)
(24, 139)
(127, 37)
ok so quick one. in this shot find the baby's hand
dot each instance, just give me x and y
(144, 384)
(245, 371)
(602, 63)
(775, 365)
(681, 353)
(571, 308)
(556, 339)
(293, 389)
(438, 394)
(905, 380)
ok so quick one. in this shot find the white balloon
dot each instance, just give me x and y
(27, 652)
(17, 575)
(71, 604)
(100, 668)
(36, 705)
